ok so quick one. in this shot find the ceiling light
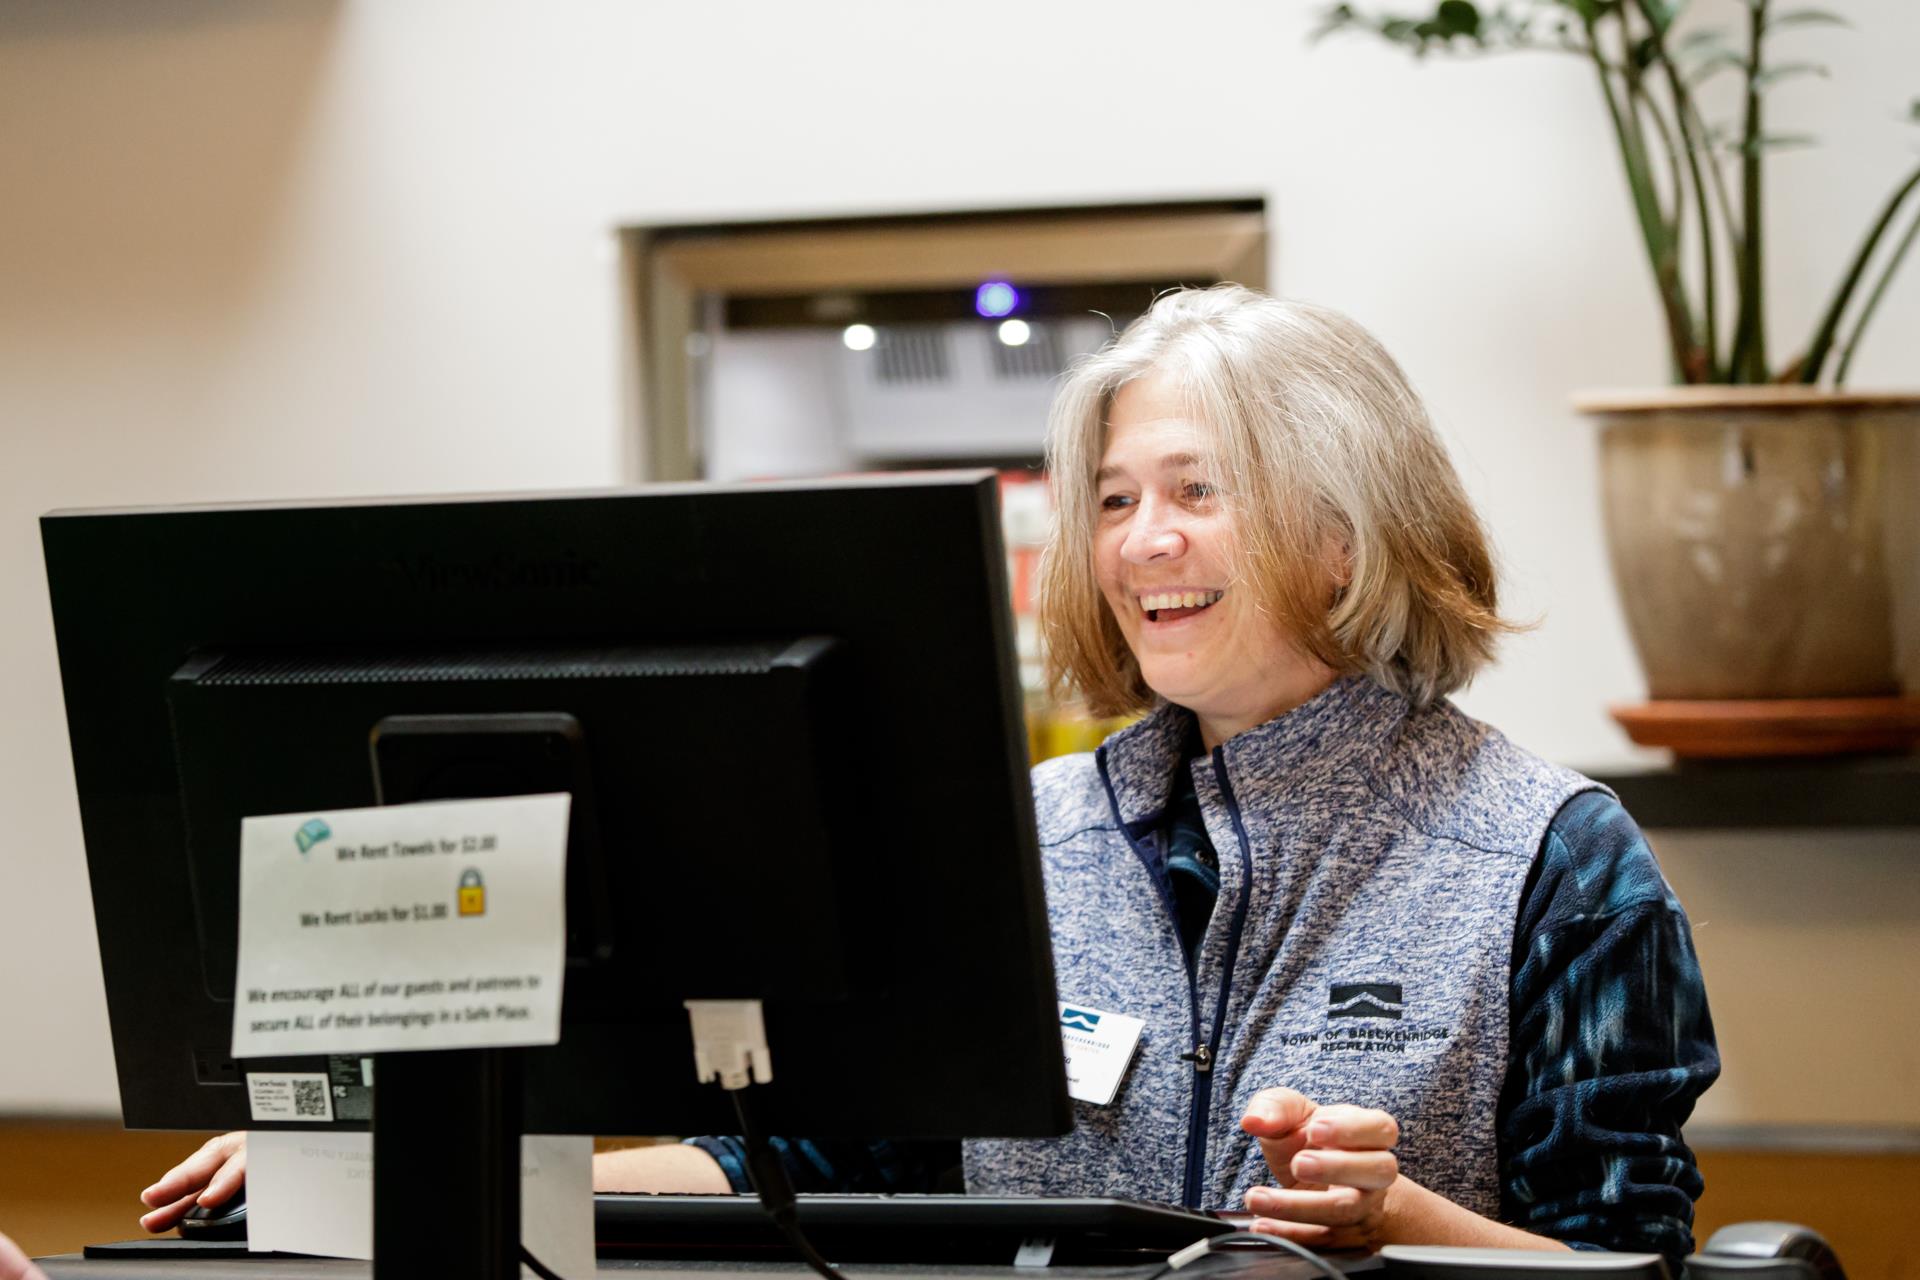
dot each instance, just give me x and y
(995, 298)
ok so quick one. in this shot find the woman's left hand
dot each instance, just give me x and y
(1335, 1169)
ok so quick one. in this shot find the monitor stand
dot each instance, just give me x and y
(447, 1123)
(446, 1156)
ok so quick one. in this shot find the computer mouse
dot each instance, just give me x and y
(224, 1221)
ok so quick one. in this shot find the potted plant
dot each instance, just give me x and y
(1759, 516)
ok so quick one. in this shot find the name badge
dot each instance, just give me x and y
(1100, 1047)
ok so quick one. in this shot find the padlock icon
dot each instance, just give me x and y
(473, 893)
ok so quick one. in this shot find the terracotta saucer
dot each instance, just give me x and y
(1773, 726)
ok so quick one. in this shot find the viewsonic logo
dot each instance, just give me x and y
(501, 572)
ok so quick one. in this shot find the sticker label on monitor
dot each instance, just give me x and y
(352, 1080)
(299, 1095)
(421, 926)
(1100, 1047)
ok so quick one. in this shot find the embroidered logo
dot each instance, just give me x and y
(1365, 1000)
(1079, 1019)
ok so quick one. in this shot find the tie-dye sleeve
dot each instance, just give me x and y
(845, 1164)
(1611, 1043)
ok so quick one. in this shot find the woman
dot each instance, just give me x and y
(1400, 980)
(1316, 880)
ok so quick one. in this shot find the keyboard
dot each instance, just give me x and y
(903, 1228)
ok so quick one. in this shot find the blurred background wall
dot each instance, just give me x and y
(294, 248)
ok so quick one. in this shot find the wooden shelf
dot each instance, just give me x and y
(1851, 791)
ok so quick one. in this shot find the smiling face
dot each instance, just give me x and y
(1162, 552)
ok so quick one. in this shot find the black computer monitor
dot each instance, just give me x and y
(789, 715)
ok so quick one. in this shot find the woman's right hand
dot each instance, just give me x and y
(209, 1176)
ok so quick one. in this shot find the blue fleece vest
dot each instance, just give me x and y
(1371, 862)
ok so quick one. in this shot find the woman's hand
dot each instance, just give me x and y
(209, 1176)
(14, 1263)
(1335, 1169)
(212, 1174)
(1341, 1187)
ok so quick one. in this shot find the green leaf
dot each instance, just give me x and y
(1426, 34)
(1786, 71)
(1729, 140)
(1806, 18)
(1459, 18)
(1697, 39)
(1589, 10)
(1715, 63)
(1701, 52)
(1662, 14)
(1778, 141)
(1334, 18)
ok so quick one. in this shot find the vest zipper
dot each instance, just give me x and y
(1203, 1051)
(1155, 864)
(1201, 1056)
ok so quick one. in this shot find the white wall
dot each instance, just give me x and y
(266, 249)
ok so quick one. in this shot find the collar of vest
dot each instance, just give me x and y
(1345, 726)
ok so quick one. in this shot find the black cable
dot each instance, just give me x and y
(1301, 1251)
(769, 1179)
(539, 1268)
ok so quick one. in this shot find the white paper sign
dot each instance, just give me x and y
(310, 1193)
(1100, 1047)
(556, 1203)
(423, 926)
(313, 1193)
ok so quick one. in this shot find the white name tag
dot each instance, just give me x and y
(418, 926)
(1100, 1047)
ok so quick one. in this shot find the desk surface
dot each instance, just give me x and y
(73, 1267)
(204, 1264)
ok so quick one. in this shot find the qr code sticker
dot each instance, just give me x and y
(310, 1098)
(290, 1096)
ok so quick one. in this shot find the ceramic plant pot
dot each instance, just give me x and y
(1765, 540)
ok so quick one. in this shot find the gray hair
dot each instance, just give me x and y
(1315, 441)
